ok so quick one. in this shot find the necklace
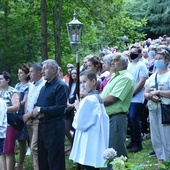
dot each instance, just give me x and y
(2, 93)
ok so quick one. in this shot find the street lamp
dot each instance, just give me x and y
(125, 40)
(74, 29)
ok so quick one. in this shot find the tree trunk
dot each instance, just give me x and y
(44, 52)
(58, 34)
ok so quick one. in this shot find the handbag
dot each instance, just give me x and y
(14, 120)
(165, 109)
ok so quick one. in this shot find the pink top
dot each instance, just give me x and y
(103, 84)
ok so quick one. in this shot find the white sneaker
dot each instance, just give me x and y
(28, 151)
(145, 136)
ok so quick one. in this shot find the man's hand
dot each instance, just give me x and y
(40, 116)
(27, 116)
(35, 112)
(29, 122)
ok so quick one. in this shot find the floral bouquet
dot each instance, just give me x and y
(109, 154)
(118, 163)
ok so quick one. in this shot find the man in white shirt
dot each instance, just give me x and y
(32, 123)
(139, 72)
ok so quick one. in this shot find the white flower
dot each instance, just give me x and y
(123, 158)
(118, 164)
(109, 154)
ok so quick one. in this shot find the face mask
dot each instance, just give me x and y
(151, 53)
(133, 56)
(159, 64)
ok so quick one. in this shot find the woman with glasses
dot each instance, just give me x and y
(157, 90)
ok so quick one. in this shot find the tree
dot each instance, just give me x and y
(44, 52)
(106, 22)
(19, 34)
(156, 12)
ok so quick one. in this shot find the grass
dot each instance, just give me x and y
(141, 158)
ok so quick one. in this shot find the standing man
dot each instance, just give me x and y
(139, 72)
(50, 109)
(117, 95)
(32, 123)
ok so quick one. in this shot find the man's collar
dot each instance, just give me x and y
(52, 81)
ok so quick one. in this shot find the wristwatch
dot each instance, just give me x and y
(39, 109)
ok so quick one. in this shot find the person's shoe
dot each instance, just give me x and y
(130, 145)
(135, 148)
(152, 153)
(144, 136)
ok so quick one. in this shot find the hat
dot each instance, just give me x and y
(70, 65)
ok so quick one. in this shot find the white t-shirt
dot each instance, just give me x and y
(33, 94)
(138, 70)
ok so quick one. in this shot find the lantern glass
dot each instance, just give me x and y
(74, 29)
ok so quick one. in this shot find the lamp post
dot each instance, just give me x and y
(125, 40)
(74, 29)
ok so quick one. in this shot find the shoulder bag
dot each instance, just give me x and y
(14, 120)
(165, 108)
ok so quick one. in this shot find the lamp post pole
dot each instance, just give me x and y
(74, 29)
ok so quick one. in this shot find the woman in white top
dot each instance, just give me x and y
(155, 95)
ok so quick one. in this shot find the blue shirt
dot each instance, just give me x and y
(53, 99)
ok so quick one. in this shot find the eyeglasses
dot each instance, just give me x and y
(73, 73)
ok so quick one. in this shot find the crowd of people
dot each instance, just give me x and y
(117, 93)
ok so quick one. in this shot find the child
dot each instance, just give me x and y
(91, 124)
(3, 126)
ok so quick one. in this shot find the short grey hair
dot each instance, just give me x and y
(36, 66)
(123, 59)
(108, 59)
(52, 63)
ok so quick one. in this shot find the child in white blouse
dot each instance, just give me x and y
(91, 124)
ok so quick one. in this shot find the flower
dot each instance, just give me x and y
(118, 163)
(109, 154)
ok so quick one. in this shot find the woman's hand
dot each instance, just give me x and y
(155, 96)
(156, 99)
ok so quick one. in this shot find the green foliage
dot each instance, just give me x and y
(20, 35)
(106, 22)
(156, 12)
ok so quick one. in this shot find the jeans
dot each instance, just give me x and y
(134, 122)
